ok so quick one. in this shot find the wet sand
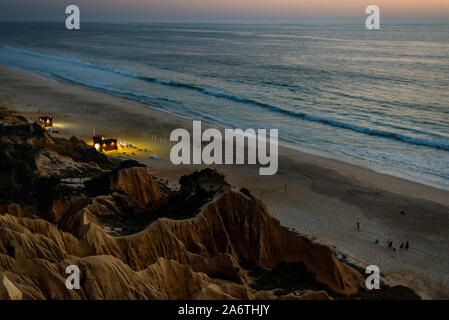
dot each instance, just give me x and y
(319, 197)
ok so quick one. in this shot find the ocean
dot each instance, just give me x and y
(378, 99)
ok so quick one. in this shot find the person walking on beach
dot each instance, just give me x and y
(390, 244)
(401, 247)
(358, 226)
(406, 245)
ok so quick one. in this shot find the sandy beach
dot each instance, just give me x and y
(319, 197)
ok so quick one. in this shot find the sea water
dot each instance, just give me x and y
(376, 99)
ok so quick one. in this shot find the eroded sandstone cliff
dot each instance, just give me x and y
(135, 238)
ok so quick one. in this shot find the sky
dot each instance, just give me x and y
(224, 10)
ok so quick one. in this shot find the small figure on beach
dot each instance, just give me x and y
(401, 247)
(376, 241)
(406, 245)
(358, 226)
(390, 244)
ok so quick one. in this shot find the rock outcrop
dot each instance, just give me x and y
(138, 184)
(68, 156)
(132, 237)
(197, 257)
(7, 290)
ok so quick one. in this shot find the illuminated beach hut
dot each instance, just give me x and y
(45, 121)
(97, 139)
(101, 144)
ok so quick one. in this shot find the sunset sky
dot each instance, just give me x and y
(224, 10)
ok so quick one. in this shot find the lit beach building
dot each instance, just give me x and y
(45, 121)
(101, 144)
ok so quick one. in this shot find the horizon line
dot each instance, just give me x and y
(321, 21)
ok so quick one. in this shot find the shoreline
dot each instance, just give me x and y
(324, 200)
(311, 155)
(282, 144)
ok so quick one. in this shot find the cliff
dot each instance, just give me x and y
(133, 237)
